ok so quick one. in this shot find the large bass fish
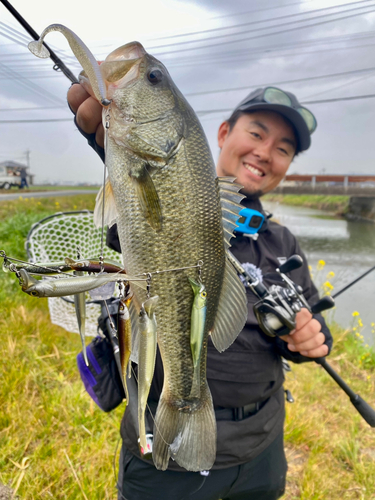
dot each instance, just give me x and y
(173, 215)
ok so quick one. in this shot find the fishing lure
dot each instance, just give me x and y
(146, 362)
(198, 321)
(124, 333)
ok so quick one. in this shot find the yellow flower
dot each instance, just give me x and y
(355, 313)
(357, 334)
(372, 324)
(331, 274)
(360, 322)
(328, 285)
(321, 264)
(310, 268)
(75, 206)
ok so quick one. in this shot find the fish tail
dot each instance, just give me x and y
(186, 435)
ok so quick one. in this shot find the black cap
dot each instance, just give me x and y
(255, 100)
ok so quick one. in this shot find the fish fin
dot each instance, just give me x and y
(230, 205)
(110, 210)
(134, 313)
(147, 196)
(187, 436)
(232, 310)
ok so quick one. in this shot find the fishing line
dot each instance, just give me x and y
(108, 117)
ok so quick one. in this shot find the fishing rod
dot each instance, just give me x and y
(276, 313)
(353, 282)
(59, 65)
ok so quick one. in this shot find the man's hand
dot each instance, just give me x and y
(307, 338)
(88, 112)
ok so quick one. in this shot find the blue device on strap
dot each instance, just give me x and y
(250, 221)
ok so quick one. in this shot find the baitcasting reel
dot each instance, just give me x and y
(276, 313)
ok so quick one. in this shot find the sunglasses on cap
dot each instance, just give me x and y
(273, 95)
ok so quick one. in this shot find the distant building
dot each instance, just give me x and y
(13, 168)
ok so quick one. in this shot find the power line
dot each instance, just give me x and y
(39, 121)
(296, 80)
(321, 101)
(260, 10)
(262, 84)
(351, 82)
(275, 56)
(265, 34)
(259, 21)
(266, 27)
(269, 48)
(29, 85)
(206, 112)
(35, 108)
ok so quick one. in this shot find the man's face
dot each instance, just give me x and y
(257, 151)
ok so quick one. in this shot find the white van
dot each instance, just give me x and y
(6, 180)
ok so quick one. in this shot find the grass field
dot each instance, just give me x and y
(31, 189)
(55, 443)
(330, 203)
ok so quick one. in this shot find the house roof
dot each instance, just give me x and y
(13, 164)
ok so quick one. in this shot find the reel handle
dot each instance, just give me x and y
(294, 262)
(326, 302)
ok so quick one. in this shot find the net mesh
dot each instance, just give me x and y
(57, 237)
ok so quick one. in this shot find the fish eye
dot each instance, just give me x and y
(204, 295)
(34, 293)
(155, 76)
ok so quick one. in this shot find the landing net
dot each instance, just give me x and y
(57, 237)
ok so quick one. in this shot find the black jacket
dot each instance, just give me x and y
(250, 370)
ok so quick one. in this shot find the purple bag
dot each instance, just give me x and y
(101, 378)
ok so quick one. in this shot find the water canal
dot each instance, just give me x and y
(347, 248)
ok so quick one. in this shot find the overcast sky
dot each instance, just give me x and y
(236, 44)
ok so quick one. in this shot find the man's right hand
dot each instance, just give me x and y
(88, 112)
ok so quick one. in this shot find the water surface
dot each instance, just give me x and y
(348, 249)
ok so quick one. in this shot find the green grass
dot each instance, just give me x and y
(34, 188)
(56, 443)
(337, 204)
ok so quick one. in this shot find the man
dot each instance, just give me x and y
(258, 143)
(23, 175)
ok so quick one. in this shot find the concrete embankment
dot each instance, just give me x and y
(361, 207)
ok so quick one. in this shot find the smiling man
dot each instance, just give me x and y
(258, 143)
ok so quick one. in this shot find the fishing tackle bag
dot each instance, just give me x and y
(101, 378)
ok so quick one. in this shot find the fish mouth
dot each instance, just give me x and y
(127, 52)
(121, 66)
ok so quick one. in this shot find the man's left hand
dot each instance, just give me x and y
(307, 338)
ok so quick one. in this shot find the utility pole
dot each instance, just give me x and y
(27, 153)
